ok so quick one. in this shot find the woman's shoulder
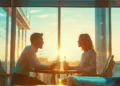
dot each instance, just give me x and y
(91, 51)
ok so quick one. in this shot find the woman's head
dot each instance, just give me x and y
(85, 42)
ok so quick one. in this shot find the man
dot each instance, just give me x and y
(28, 61)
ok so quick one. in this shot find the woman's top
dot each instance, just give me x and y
(88, 62)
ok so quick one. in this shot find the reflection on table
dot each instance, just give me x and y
(55, 72)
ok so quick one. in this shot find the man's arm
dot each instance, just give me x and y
(34, 63)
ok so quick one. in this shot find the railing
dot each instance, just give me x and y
(24, 15)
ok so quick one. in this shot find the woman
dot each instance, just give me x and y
(87, 64)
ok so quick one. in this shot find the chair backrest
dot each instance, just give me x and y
(107, 71)
(2, 75)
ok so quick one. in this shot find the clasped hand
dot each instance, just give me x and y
(54, 64)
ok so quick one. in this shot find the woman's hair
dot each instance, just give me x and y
(86, 41)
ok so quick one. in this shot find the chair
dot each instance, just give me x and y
(101, 79)
(107, 71)
(3, 75)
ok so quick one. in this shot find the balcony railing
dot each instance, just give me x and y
(25, 16)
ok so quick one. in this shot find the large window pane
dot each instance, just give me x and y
(44, 20)
(115, 39)
(115, 33)
(3, 36)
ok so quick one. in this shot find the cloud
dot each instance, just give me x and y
(35, 11)
(53, 15)
(53, 23)
(1, 14)
(47, 15)
(68, 21)
(43, 16)
(2, 26)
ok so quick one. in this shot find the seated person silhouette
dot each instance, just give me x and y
(28, 60)
(87, 64)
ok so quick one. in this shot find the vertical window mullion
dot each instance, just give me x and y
(59, 26)
(13, 37)
(7, 34)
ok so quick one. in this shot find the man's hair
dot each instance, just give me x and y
(35, 36)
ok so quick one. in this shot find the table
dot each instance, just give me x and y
(55, 72)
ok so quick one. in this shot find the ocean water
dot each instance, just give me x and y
(116, 71)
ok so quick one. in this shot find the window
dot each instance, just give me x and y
(75, 21)
(3, 57)
(115, 33)
(115, 13)
(44, 20)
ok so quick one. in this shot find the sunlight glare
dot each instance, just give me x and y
(59, 81)
(61, 54)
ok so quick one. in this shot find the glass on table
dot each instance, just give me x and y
(57, 63)
(65, 64)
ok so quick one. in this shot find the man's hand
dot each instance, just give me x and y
(54, 64)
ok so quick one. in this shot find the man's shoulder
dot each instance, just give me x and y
(28, 47)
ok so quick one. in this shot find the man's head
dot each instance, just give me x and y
(36, 39)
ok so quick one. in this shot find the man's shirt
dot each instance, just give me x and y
(28, 60)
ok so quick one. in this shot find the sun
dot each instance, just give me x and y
(61, 53)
